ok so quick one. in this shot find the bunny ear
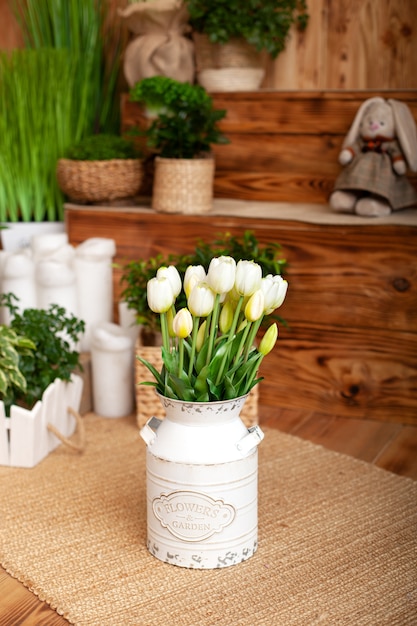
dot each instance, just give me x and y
(353, 133)
(406, 131)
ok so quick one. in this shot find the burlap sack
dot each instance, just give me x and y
(160, 47)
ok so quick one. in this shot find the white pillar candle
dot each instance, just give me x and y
(127, 320)
(46, 243)
(55, 284)
(112, 370)
(93, 270)
(19, 278)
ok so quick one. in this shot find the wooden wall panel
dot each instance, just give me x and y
(349, 44)
(350, 347)
(284, 146)
(371, 44)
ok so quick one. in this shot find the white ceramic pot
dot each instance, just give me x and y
(202, 484)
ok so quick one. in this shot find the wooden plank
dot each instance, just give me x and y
(289, 112)
(19, 606)
(360, 438)
(273, 187)
(400, 456)
(351, 373)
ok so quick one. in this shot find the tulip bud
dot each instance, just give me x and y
(201, 300)
(226, 317)
(201, 335)
(182, 323)
(268, 340)
(170, 320)
(274, 289)
(172, 274)
(248, 277)
(242, 325)
(160, 295)
(221, 274)
(255, 306)
(193, 274)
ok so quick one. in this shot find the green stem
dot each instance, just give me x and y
(181, 355)
(230, 337)
(165, 332)
(213, 327)
(196, 323)
(254, 329)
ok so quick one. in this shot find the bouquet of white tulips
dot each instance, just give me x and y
(208, 348)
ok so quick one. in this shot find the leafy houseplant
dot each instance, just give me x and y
(181, 134)
(186, 123)
(136, 274)
(264, 24)
(100, 167)
(228, 37)
(52, 331)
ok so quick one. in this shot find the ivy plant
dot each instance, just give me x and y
(265, 24)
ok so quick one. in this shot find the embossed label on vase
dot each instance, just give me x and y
(192, 516)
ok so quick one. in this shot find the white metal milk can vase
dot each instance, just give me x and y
(202, 484)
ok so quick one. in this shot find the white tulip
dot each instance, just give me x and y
(172, 274)
(248, 277)
(160, 295)
(201, 300)
(221, 274)
(275, 290)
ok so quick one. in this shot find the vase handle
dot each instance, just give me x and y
(148, 432)
(251, 440)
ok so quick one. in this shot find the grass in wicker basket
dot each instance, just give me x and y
(100, 168)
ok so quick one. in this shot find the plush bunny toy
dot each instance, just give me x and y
(380, 144)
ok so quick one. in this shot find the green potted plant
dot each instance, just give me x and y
(228, 36)
(59, 88)
(38, 383)
(182, 127)
(100, 168)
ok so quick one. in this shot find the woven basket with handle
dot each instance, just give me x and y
(147, 402)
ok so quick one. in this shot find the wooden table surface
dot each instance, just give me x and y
(391, 446)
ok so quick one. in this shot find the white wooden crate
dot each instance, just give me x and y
(24, 436)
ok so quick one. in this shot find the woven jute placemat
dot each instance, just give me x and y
(337, 540)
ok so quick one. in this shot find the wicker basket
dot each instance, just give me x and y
(98, 181)
(183, 185)
(147, 403)
(235, 53)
